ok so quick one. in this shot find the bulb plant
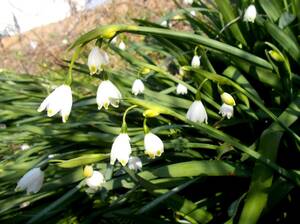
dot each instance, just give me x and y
(214, 138)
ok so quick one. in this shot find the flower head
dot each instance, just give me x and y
(181, 89)
(188, 2)
(137, 87)
(250, 14)
(24, 147)
(153, 145)
(32, 181)
(226, 111)
(193, 13)
(107, 94)
(196, 61)
(120, 149)
(197, 112)
(135, 163)
(228, 99)
(122, 46)
(96, 59)
(95, 181)
(164, 23)
(60, 100)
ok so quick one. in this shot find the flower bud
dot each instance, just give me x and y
(150, 113)
(88, 171)
(228, 99)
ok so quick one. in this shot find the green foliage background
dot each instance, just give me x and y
(242, 170)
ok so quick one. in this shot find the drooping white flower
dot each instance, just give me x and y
(65, 41)
(226, 111)
(181, 89)
(24, 147)
(32, 181)
(228, 99)
(122, 46)
(137, 87)
(153, 145)
(135, 163)
(164, 23)
(193, 13)
(196, 61)
(96, 59)
(114, 40)
(188, 2)
(107, 94)
(197, 112)
(95, 181)
(250, 14)
(120, 149)
(33, 44)
(60, 100)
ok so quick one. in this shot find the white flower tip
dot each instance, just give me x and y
(137, 87)
(197, 112)
(181, 89)
(196, 61)
(250, 14)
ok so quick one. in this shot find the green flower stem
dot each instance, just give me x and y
(124, 125)
(198, 93)
(146, 128)
(74, 58)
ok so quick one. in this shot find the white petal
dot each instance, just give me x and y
(196, 61)
(250, 14)
(122, 46)
(137, 87)
(120, 149)
(197, 112)
(153, 145)
(96, 181)
(59, 100)
(32, 181)
(107, 94)
(96, 59)
(226, 111)
(181, 89)
(135, 163)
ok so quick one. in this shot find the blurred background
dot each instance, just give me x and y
(34, 34)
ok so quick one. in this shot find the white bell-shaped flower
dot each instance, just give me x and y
(196, 61)
(95, 181)
(164, 23)
(96, 59)
(250, 14)
(32, 181)
(122, 46)
(188, 2)
(181, 89)
(107, 94)
(60, 100)
(193, 13)
(135, 163)
(137, 87)
(197, 112)
(226, 110)
(24, 147)
(120, 149)
(153, 145)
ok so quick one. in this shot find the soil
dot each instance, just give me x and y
(44, 47)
